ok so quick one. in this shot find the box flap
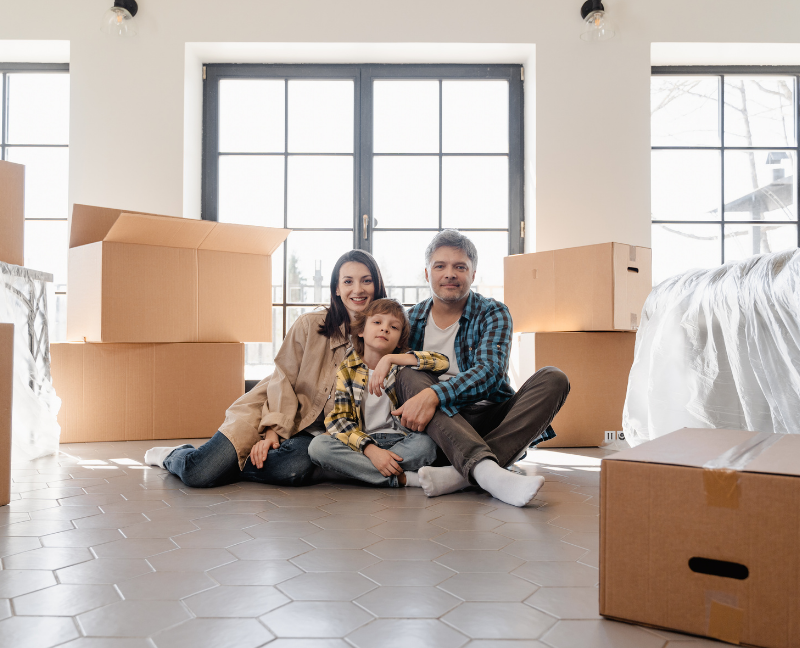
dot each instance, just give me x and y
(245, 239)
(165, 231)
(694, 447)
(91, 224)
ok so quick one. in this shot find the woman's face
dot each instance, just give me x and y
(356, 287)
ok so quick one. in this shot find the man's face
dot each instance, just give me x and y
(450, 274)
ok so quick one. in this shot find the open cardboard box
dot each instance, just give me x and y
(597, 365)
(148, 278)
(12, 213)
(591, 288)
(6, 400)
(122, 392)
(710, 552)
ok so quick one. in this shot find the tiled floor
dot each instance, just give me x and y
(100, 551)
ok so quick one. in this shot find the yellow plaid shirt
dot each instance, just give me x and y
(352, 383)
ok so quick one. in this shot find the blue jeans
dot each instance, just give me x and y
(417, 450)
(215, 463)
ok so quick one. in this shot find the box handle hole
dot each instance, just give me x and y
(632, 269)
(721, 568)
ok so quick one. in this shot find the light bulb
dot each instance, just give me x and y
(118, 21)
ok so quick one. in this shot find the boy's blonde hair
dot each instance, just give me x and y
(380, 307)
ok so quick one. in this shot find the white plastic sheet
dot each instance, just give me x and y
(719, 349)
(34, 429)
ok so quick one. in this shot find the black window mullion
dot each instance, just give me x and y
(285, 243)
(516, 156)
(722, 167)
(441, 161)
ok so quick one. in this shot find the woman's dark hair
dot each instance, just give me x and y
(381, 307)
(337, 313)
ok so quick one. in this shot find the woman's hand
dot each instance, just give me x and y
(384, 460)
(379, 374)
(258, 454)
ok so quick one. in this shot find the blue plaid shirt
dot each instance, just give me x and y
(482, 346)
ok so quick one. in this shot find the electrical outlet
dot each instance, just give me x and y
(610, 436)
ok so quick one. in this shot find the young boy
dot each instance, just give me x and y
(364, 440)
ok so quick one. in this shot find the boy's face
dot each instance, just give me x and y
(382, 332)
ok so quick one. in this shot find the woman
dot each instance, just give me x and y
(266, 433)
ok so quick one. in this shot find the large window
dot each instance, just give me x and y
(376, 157)
(34, 131)
(724, 165)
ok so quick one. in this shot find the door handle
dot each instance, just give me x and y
(366, 225)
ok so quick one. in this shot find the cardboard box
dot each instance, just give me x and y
(147, 278)
(122, 392)
(709, 552)
(592, 288)
(6, 399)
(12, 213)
(597, 365)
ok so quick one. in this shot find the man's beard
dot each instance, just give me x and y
(450, 299)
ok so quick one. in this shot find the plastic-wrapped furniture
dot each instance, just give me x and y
(719, 348)
(23, 302)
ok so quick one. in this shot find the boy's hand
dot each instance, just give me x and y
(379, 375)
(258, 454)
(384, 460)
(417, 411)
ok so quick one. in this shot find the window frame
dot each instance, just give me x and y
(721, 71)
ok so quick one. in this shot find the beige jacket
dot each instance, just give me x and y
(292, 398)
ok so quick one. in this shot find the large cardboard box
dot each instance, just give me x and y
(6, 399)
(121, 392)
(591, 288)
(12, 213)
(709, 552)
(148, 278)
(597, 365)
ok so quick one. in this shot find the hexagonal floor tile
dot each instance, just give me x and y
(109, 520)
(211, 538)
(553, 551)
(567, 602)
(36, 632)
(407, 572)
(466, 522)
(282, 529)
(231, 521)
(558, 574)
(400, 633)
(166, 586)
(65, 600)
(236, 601)
(132, 618)
(196, 560)
(342, 539)
(408, 602)
(407, 549)
(491, 586)
(35, 528)
(16, 582)
(133, 548)
(307, 619)
(255, 572)
(480, 561)
(270, 549)
(327, 586)
(582, 523)
(292, 513)
(407, 529)
(499, 620)
(601, 634)
(103, 571)
(82, 538)
(48, 558)
(220, 633)
(11, 546)
(472, 540)
(348, 521)
(165, 529)
(325, 560)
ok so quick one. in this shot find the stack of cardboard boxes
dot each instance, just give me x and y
(158, 311)
(578, 309)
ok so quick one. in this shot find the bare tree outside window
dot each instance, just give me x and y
(724, 158)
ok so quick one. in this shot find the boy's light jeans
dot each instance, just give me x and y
(416, 448)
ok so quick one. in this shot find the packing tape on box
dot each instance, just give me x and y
(720, 475)
(725, 622)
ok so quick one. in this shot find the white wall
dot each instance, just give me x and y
(588, 171)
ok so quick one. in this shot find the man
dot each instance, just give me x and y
(471, 412)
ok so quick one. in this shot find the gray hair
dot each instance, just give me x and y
(455, 239)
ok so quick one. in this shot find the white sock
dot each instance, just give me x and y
(505, 485)
(441, 480)
(156, 456)
(412, 480)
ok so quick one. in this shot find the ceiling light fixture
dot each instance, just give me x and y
(596, 26)
(118, 21)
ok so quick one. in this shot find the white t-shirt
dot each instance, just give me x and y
(442, 341)
(377, 411)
